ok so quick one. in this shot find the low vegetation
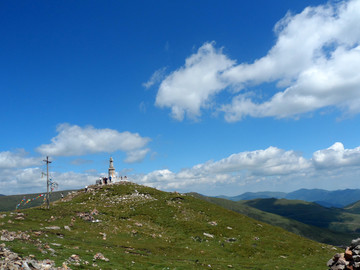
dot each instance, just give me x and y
(319, 234)
(137, 227)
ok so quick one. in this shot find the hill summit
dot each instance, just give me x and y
(129, 226)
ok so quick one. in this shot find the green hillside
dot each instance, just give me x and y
(9, 203)
(334, 219)
(353, 208)
(322, 235)
(138, 227)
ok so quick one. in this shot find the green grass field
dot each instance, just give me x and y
(142, 228)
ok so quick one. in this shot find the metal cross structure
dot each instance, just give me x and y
(47, 181)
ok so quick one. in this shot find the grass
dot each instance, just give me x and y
(323, 235)
(144, 228)
(335, 219)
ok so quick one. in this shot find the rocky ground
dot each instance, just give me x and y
(349, 260)
(10, 260)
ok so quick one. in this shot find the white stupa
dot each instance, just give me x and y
(112, 170)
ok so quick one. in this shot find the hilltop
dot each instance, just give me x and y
(137, 227)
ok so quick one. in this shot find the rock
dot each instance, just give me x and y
(94, 212)
(213, 223)
(11, 261)
(10, 236)
(356, 258)
(355, 242)
(104, 235)
(53, 228)
(67, 228)
(100, 256)
(232, 239)
(348, 254)
(208, 235)
(330, 262)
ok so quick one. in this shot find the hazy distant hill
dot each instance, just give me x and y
(323, 235)
(255, 195)
(335, 219)
(9, 203)
(137, 227)
(337, 198)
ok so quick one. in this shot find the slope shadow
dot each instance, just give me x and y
(305, 212)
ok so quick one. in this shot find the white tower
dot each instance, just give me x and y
(111, 170)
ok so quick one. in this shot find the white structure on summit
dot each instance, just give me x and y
(111, 170)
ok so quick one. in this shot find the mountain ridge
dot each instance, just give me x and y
(337, 198)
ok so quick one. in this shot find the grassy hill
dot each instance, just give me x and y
(9, 203)
(322, 235)
(335, 219)
(353, 208)
(138, 227)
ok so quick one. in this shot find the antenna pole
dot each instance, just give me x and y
(47, 181)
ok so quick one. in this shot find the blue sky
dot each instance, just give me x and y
(217, 97)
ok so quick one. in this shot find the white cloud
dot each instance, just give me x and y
(191, 87)
(261, 167)
(136, 155)
(73, 140)
(17, 159)
(336, 156)
(30, 180)
(271, 161)
(252, 170)
(314, 62)
(156, 77)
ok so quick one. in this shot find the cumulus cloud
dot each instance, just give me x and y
(17, 159)
(336, 156)
(30, 180)
(192, 86)
(314, 62)
(260, 166)
(73, 140)
(270, 167)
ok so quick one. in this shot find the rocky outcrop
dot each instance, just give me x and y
(11, 260)
(10, 236)
(349, 260)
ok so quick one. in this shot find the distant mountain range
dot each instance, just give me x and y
(337, 198)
